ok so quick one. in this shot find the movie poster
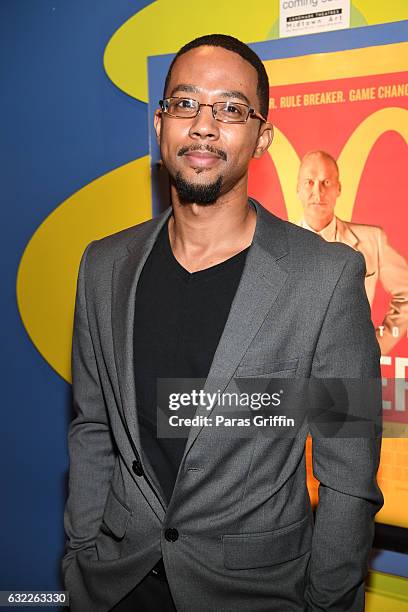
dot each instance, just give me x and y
(354, 105)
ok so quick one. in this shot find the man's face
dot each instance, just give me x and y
(318, 189)
(202, 154)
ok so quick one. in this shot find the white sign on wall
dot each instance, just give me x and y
(298, 17)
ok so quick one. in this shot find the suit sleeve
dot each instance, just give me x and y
(393, 274)
(346, 467)
(91, 450)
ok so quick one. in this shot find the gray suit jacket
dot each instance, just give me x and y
(247, 539)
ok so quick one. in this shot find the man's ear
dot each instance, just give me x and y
(264, 141)
(339, 188)
(157, 124)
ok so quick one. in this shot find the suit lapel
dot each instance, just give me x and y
(260, 285)
(126, 273)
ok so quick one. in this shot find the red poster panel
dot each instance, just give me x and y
(361, 120)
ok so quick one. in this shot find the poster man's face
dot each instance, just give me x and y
(318, 189)
(201, 152)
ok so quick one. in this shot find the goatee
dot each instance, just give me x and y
(191, 193)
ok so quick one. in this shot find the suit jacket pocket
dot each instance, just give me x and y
(115, 516)
(274, 369)
(252, 550)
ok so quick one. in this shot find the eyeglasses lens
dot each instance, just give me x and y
(223, 111)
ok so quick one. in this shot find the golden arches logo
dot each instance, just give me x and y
(355, 153)
(351, 160)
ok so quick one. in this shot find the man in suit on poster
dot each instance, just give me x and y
(215, 288)
(318, 188)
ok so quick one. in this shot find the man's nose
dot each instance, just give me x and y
(317, 189)
(204, 126)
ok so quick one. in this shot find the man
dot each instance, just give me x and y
(318, 188)
(215, 288)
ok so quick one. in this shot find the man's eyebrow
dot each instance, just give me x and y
(223, 94)
(184, 87)
(236, 94)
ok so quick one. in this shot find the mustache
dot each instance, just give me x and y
(198, 147)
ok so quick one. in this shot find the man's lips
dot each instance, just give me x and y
(202, 154)
(202, 160)
(202, 157)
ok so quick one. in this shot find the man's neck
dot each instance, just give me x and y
(203, 236)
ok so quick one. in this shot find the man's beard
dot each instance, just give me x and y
(191, 193)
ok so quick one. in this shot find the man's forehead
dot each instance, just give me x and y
(316, 164)
(213, 68)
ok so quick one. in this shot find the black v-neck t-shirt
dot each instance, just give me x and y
(179, 319)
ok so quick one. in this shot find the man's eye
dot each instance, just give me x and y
(232, 108)
(185, 103)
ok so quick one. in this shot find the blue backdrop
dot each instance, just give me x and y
(63, 123)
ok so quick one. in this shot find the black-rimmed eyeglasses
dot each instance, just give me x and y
(227, 112)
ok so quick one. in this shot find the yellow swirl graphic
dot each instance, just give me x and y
(163, 27)
(46, 277)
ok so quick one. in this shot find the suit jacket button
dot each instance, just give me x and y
(137, 467)
(171, 534)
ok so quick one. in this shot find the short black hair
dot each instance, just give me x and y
(236, 46)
